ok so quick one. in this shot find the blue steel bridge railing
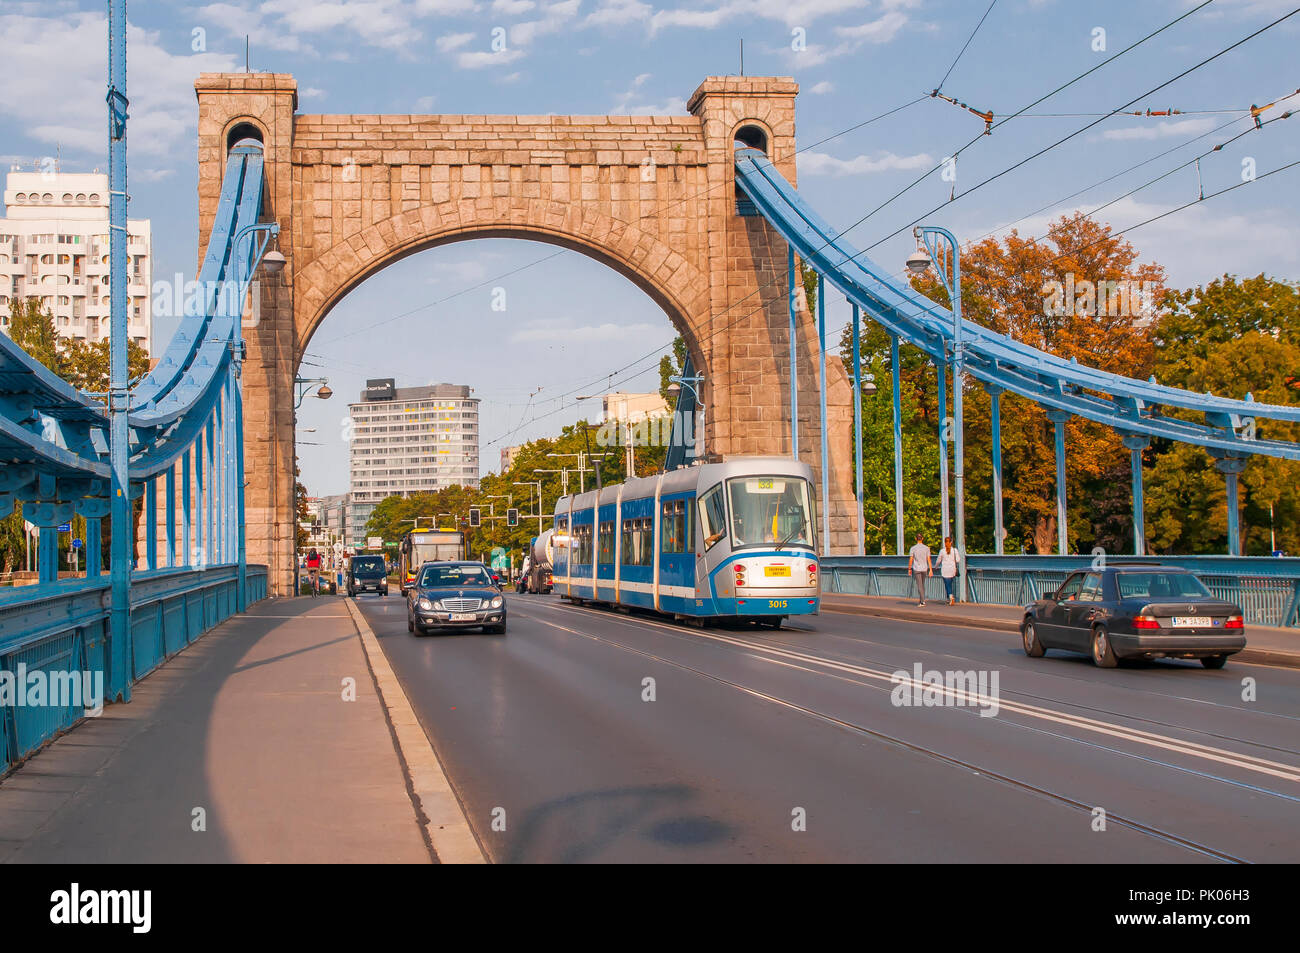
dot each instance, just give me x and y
(1268, 590)
(67, 453)
(1226, 427)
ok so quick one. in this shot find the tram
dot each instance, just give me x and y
(736, 538)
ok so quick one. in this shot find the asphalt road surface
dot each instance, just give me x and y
(792, 744)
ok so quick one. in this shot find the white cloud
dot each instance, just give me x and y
(790, 12)
(819, 163)
(486, 59)
(1160, 130)
(63, 60)
(565, 332)
(311, 92)
(881, 30)
(425, 103)
(618, 12)
(452, 41)
(1194, 245)
(555, 17)
(512, 8)
(820, 89)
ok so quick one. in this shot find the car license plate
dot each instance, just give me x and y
(1191, 622)
(462, 617)
(776, 570)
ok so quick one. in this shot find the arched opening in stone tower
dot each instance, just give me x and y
(510, 340)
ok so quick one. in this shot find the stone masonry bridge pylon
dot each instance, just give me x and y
(653, 197)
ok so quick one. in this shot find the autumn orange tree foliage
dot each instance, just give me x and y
(1006, 286)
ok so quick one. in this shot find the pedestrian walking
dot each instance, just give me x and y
(948, 562)
(918, 567)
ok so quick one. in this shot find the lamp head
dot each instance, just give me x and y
(324, 393)
(273, 261)
(919, 261)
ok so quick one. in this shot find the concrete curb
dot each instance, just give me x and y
(438, 809)
(1257, 656)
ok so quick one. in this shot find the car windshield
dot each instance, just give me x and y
(772, 510)
(367, 564)
(454, 576)
(1160, 585)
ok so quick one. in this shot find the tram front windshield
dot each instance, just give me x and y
(772, 510)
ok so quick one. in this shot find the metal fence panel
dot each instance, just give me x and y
(1267, 589)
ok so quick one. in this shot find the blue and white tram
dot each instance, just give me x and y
(736, 538)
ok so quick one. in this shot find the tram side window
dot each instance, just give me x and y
(713, 514)
(584, 545)
(646, 545)
(629, 543)
(606, 544)
(673, 531)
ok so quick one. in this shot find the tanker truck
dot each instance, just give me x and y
(537, 572)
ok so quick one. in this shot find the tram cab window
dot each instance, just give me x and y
(673, 531)
(772, 510)
(713, 516)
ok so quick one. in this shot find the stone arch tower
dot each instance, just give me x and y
(652, 196)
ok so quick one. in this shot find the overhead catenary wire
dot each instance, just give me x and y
(1063, 86)
(839, 331)
(1080, 130)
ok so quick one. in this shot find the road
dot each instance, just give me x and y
(788, 745)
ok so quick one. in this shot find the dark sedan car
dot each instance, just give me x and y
(1134, 611)
(455, 595)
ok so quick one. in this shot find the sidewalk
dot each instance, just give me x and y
(248, 729)
(1264, 644)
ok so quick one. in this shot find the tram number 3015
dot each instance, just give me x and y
(778, 604)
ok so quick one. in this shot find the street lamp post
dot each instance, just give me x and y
(947, 264)
(259, 237)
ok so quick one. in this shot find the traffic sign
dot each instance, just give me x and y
(65, 527)
(76, 544)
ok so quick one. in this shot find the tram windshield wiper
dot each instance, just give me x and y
(798, 529)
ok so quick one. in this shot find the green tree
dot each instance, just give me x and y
(671, 366)
(1231, 337)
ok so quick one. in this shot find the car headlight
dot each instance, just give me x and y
(497, 602)
(425, 604)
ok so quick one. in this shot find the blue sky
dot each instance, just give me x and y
(428, 318)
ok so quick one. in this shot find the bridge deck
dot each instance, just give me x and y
(248, 724)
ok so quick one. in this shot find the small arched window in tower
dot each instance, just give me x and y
(751, 137)
(748, 137)
(243, 130)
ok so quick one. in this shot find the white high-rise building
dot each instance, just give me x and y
(408, 440)
(54, 247)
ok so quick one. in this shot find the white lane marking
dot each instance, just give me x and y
(449, 830)
(1191, 748)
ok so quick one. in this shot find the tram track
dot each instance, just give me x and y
(1079, 705)
(927, 751)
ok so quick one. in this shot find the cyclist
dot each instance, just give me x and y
(313, 571)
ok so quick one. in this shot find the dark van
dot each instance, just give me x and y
(367, 573)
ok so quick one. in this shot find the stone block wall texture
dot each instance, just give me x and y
(651, 196)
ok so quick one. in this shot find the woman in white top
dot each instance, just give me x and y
(946, 561)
